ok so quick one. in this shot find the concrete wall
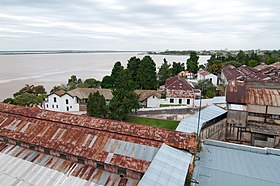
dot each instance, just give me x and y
(176, 101)
(153, 102)
(204, 102)
(215, 131)
(61, 104)
(237, 118)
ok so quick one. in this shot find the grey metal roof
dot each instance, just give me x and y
(15, 171)
(229, 164)
(189, 124)
(169, 167)
(219, 99)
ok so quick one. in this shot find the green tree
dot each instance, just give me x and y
(107, 82)
(91, 83)
(241, 57)
(125, 100)
(176, 68)
(96, 105)
(133, 67)
(215, 66)
(57, 88)
(207, 88)
(117, 69)
(164, 72)
(146, 76)
(253, 63)
(192, 62)
(9, 100)
(27, 99)
(39, 89)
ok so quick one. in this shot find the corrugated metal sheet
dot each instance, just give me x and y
(128, 131)
(128, 152)
(229, 164)
(189, 124)
(254, 93)
(61, 167)
(169, 167)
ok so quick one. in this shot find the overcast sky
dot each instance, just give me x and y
(139, 25)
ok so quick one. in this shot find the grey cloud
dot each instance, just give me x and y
(138, 25)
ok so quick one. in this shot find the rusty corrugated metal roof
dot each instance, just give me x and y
(85, 172)
(155, 135)
(254, 93)
(115, 143)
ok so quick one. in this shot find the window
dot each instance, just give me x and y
(54, 99)
(153, 96)
(81, 160)
(210, 79)
(99, 165)
(171, 100)
(70, 106)
(5, 140)
(56, 106)
(47, 105)
(47, 151)
(188, 101)
(180, 101)
(67, 108)
(121, 171)
(62, 155)
(31, 147)
(67, 102)
(52, 106)
(18, 143)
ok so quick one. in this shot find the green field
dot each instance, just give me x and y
(167, 124)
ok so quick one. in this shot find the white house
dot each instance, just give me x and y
(149, 98)
(178, 92)
(63, 103)
(76, 100)
(203, 75)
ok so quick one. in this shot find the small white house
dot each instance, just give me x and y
(149, 98)
(203, 75)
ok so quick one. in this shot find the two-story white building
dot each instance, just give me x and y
(178, 92)
(203, 75)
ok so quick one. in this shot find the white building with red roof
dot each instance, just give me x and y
(205, 75)
(178, 92)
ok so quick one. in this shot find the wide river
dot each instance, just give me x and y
(54, 69)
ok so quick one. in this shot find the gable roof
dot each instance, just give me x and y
(203, 72)
(253, 92)
(83, 93)
(178, 83)
(144, 94)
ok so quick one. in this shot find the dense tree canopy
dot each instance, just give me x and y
(146, 78)
(207, 88)
(91, 83)
(176, 68)
(96, 105)
(37, 90)
(133, 67)
(164, 72)
(192, 62)
(125, 100)
(110, 81)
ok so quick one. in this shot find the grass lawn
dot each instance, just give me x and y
(167, 124)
